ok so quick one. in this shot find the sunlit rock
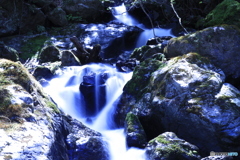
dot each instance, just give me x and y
(27, 117)
(188, 96)
(169, 146)
(219, 43)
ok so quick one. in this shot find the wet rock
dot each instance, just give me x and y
(49, 54)
(126, 66)
(42, 72)
(113, 37)
(58, 17)
(94, 84)
(186, 95)
(135, 135)
(219, 44)
(169, 146)
(85, 143)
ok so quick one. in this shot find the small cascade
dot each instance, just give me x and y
(121, 14)
(64, 90)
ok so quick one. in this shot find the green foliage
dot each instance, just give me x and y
(74, 18)
(32, 46)
(227, 12)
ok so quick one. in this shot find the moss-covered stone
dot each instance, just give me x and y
(135, 134)
(227, 12)
(141, 76)
(169, 146)
(147, 51)
(16, 87)
(220, 44)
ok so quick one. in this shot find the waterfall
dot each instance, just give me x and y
(64, 90)
(121, 14)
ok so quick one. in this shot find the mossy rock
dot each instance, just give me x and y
(135, 134)
(169, 146)
(147, 51)
(227, 12)
(141, 76)
(14, 73)
(220, 44)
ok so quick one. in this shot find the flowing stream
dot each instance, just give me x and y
(64, 89)
(121, 14)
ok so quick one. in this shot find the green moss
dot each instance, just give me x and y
(160, 139)
(32, 46)
(141, 77)
(52, 105)
(227, 12)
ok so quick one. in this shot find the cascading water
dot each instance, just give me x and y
(64, 90)
(121, 14)
(88, 93)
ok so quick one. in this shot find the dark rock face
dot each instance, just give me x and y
(8, 52)
(220, 44)
(85, 143)
(49, 54)
(90, 11)
(94, 86)
(58, 17)
(68, 58)
(169, 146)
(105, 35)
(186, 95)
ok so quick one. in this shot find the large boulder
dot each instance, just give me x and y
(93, 89)
(49, 54)
(186, 95)
(220, 44)
(28, 117)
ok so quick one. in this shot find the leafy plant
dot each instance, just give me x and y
(74, 18)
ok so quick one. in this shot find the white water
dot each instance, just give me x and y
(121, 14)
(64, 90)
